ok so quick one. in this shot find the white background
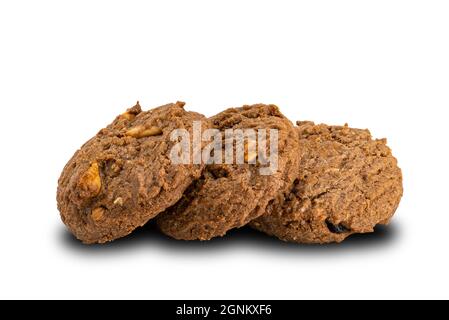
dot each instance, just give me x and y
(68, 68)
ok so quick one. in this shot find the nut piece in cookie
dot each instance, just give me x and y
(90, 181)
(143, 132)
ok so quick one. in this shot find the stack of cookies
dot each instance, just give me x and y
(314, 184)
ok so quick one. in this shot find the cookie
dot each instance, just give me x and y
(347, 183)
(123, 177)
(230, 195)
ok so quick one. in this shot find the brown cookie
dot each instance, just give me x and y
(228, 196)
(123, 176)
(347, 183)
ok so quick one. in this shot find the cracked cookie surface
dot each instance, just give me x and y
(347, 183)
(229, 196)
(123, 177)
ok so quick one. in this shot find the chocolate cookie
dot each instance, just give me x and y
(230, 195)
(123, 176)
(347, 183)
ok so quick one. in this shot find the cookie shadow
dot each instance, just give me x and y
(148, 237)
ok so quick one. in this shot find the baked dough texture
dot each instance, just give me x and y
(329, 182)
(123, 177)
(346, 183)
(229, 196)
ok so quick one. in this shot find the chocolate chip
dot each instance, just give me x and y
(338, 229)
(217, 173)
